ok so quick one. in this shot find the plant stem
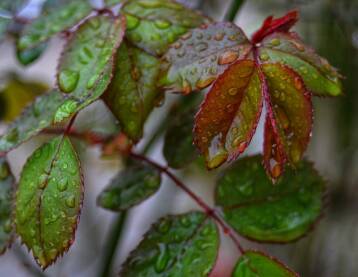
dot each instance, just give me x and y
(208, 210)
(233, 10)
(111, 244)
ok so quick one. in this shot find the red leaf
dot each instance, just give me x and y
(228, 116)
(270, 25)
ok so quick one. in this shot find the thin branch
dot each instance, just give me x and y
(208, 210)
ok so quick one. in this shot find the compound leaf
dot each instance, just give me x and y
(130, 187)
(7, 183)
(256, 264)
(183, 245)
(195, 60)
(178, 148)
(48, 200)
(260, 211)
(53, 21)
(36, 117)
(154, 24)
(132, 93)
(229, 114)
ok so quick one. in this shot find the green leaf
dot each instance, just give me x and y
(48, 200)
(228, 116)
(53, 21)
(200, 56)
(154, 24)
(178, 149)
(318, 75)
(176, 246)
(7, 184)
(110, 3)
(132, 93)
(257, 264)
(130, 187)
(28, 56)
(36, 117)
(270, 213)
(88, 53)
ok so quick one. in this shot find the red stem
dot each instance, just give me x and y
(208, 210)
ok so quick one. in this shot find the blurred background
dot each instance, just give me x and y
(331, 27)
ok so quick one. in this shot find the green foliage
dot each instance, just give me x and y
(260, 211)
(52, 22)
(28, 56)
(132, 93)
(7, 183)
(130, 187)
(257, 264)
(183, 245)
(49, 199)
(12, 6)
(154, 24)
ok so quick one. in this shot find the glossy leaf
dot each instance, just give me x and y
(132, 93)
(17, 94)
(28, 56)
(229, 114)
(130, 187)
(183, 245)
(48, 200)
(257, 264)
(200, 56)
(178, 149)
(318, 75)
(154, 24)
(260, 211)
(7, 184)
(36, 117)
(88, 53)
(52, 22)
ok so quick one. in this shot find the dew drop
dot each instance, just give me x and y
(219, 36)
(264, 57)
(233, 91)
(70, 201)
(68, 80)
(202, 46)
(203, 83)
(162, 24)
(228, 57)
(62, 185)
(275, 42)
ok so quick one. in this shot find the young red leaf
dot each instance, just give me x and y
(200, 56)
(229, 114)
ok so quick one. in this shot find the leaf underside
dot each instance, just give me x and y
(133, 93)
(48, 200)
(7, 184)
(254, 264)
(183, 245)
(260, 211)
(130, 187)
(153, 25)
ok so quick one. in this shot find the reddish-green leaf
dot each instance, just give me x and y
(132, 93)
(257, 264)
(52, 22)
(229, 114)
(176, 246)
(318, 75)
(154, 24)
(200, 56)
(290, 112)
(48, 200)
(7, 184)
(260, 211)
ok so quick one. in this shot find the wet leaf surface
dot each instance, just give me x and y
(52, 22)
(48, 200)
(7, 185)
(183, 245)
(154, 24)
(28, 56)
(264, 212)
(133, 93)
(257, 264)
(195, 60)
(130, 187)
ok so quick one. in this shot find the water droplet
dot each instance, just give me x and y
(203, 83)
(92, 81)
(228, 57)
(275, 42)
(68, 80)
(187, 36)
(62, 185)
(202, 46)
(42, 181)
(162, 24)
(233, 91)
(162, 259)
(52, 254)
(219, 36)
(298, 83)
(70, 201)
(264, 57)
